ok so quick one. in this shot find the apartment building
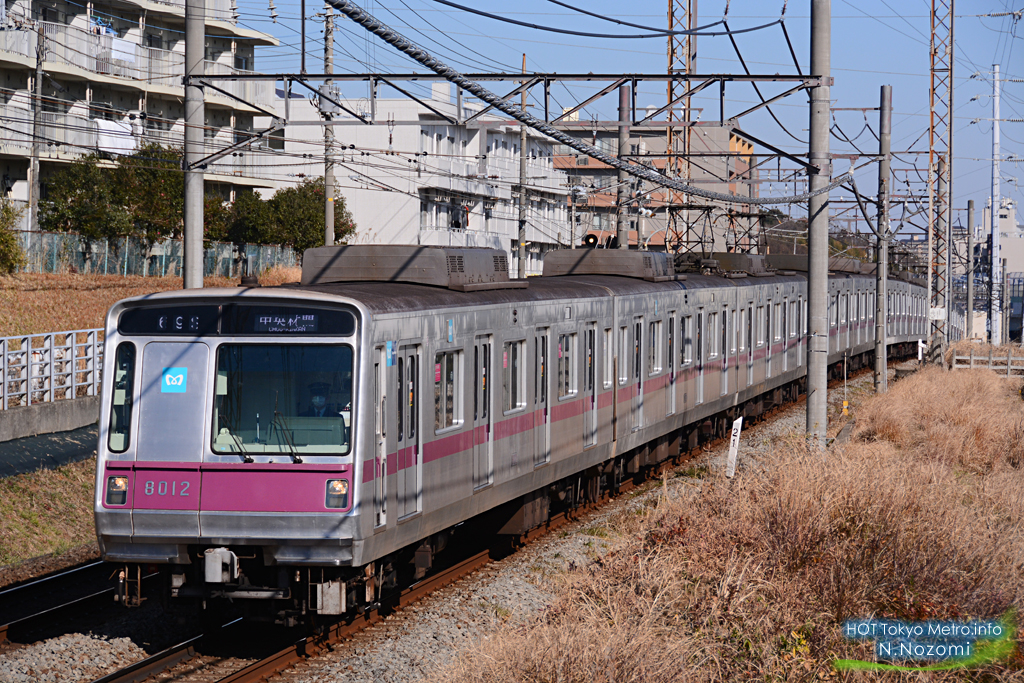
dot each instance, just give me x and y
(416, 178)
(721, 164)
(112, 81)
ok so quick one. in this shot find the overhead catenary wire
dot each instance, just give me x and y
(396, 40)
(551, 29)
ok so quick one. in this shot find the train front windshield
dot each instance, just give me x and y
(291, 399)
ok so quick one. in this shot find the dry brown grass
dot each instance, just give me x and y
(279, 275)
(968, 419)
(31, 303)
(47, 511)
(752, 579)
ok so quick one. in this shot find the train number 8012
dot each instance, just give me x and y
(162, 488)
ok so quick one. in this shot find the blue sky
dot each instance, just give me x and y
(874, 42)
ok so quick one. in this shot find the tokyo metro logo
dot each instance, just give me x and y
(174, 380)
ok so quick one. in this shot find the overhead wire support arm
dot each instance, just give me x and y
(417, 99)
(302, 81)
(202, 82)
(367, 21)
(205, 161)
(787, 155)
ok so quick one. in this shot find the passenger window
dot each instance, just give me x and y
(513, 377)
(654, 349)
(760, 326)
(121, 404)
(777, 323)
(609, 355)
(400, 375)
(411, 379)
(447, 390)
(623, 350)
(687, 345)
(712, 337)
(566, 366)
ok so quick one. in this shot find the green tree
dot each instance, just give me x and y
(82, 199)
(293, 217)
(11, 256)
(299, 213)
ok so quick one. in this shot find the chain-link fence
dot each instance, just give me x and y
(54, 252)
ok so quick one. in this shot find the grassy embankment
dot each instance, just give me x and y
(920, 517)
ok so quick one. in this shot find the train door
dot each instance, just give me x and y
(783, 323)
(636, 413)
(542, 399)
(700, 356)
(380, 450)
(725, 351)
(410, 461)
(590, 385)
(750, 344)
(483, 420)
(671, 369)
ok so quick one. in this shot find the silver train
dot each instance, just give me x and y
(300, 449)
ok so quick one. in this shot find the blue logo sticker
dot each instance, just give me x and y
(174, 381)
(391, 354)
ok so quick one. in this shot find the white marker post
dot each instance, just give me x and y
(734, 447)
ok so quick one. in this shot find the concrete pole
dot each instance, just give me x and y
(996, 277)
(1005, 295)
(621, 222)
(882, 251)
(572, 214)
(195, 120)
(817, 225)
(522, 187)
(328, 130)
(37, 132)
(969, 326)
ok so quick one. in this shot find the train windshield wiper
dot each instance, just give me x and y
(282, 426)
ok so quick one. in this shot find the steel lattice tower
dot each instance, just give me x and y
(682, 56)
(940, 147)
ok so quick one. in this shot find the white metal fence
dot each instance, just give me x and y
(56, 366)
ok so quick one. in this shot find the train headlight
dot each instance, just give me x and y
(117, 490)
(337, 493)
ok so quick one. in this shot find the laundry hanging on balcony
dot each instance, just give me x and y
(123, 50)
(115, 137)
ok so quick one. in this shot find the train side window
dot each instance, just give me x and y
(712, 337)
(400, 375)
(670, 349)
(732, 333)
(760, 326)
(654, 354)
(411, 379)
(609, 355)
(743, 326)
(447, 390)
(623, 350)
(566, 365)
(687, 345)
(121, 404)
(777, 323)
(513, 377)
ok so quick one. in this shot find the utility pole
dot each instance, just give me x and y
(622, 193)
(817, 224)
(328, 129)
(969, 326)
(995, 308)
(195, 120)
(37, 110)
(572, 213)
(882, 250)
(942, 292)
(522, 185)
